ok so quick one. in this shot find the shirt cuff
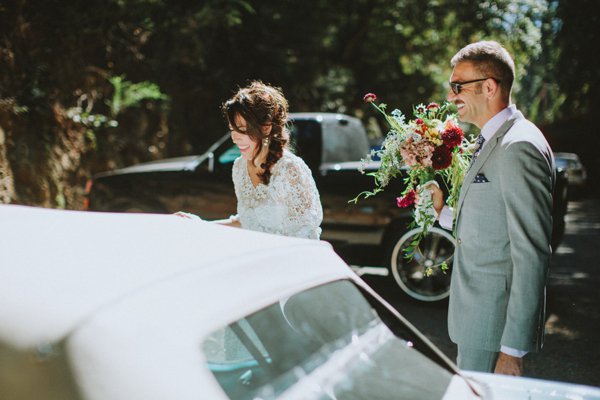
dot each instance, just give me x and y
(446, 217)
(513, 352)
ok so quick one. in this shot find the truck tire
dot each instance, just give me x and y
(411, 276)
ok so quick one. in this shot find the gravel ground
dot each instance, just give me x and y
(571, 351)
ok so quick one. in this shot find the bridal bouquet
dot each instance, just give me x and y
(422, 148)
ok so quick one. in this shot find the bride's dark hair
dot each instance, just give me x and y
(261, 105)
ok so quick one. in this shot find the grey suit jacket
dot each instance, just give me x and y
(503, 230)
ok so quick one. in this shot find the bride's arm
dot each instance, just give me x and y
(233, 220)
(301, 197)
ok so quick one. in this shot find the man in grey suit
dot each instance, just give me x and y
(503, 221)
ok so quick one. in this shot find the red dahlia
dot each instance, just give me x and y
(453, 136)
(441, 158)
(407, 200)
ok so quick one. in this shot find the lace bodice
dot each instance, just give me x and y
(289, 205)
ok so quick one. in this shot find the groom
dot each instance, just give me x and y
(503, 224)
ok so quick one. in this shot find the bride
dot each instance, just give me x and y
(275, 190)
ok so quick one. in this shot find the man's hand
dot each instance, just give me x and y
(509, 365)
(437, 196)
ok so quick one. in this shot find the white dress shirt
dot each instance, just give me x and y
(447, 213)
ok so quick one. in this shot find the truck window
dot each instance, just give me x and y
(307, 141)
(344, 140)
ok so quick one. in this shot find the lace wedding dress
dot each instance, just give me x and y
(289, 205)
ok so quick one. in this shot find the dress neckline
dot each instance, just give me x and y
(247, 174)
(249, 178)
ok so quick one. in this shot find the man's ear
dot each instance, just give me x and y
(491, 88)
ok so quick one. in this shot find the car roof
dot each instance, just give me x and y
(59, 268)
(566, 155)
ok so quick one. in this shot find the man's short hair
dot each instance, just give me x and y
(491, 60)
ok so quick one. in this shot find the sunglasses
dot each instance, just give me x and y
(457, 86)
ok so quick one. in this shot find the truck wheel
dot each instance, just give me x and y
(422, 278)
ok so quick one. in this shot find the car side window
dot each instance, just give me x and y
(230, 155)
(325, 341)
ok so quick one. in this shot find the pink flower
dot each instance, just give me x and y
(407, 200)
(416, 153)
(369, 98)
(419, 121)
(432, 105)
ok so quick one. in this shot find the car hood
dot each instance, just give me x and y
(187, 163)
(517, 388)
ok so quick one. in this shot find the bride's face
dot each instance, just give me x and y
(246, 145)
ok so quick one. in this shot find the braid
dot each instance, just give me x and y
(261, 105)
(277, 143)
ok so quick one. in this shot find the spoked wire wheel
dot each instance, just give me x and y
(422, 278)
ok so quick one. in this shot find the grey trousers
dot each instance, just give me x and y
(471, 359)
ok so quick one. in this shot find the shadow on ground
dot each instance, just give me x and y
(571, 350)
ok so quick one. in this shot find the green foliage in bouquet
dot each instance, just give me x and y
(432, 144)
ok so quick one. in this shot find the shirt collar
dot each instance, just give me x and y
(490, 127)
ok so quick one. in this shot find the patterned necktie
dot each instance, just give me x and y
(478, 146)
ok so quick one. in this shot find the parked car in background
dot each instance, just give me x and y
(332, 145)
(113, 306)
(576, 170)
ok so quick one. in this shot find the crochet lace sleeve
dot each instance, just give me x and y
(301, 200)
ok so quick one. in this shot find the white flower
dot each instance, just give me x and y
(398, 116)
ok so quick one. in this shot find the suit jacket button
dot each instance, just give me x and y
(458, 241)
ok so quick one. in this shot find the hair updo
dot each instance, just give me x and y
(261, 105)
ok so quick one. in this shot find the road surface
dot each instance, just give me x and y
(571, 352)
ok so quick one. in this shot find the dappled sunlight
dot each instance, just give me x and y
(579, 221)
(555, 327)
(577, 226)
(567, 278)
(563, 249)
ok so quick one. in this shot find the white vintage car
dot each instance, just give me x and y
(105, 306)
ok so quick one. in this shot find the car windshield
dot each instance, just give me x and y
(325, 343)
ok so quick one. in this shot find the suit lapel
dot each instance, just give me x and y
(483, 156)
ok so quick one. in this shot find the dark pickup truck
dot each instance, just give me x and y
(332, 145)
